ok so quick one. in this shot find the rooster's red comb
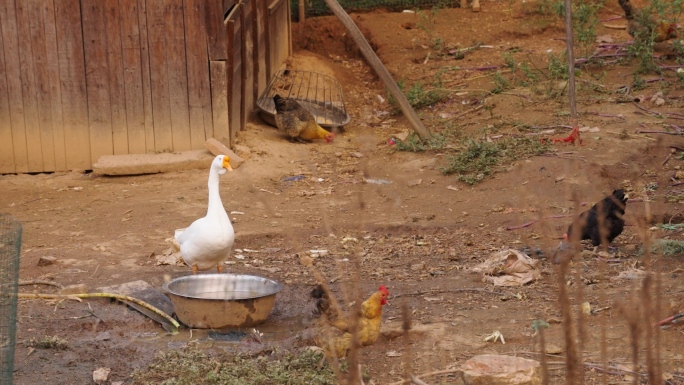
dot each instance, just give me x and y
(383, 289)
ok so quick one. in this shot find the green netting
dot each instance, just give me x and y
(319, 8)
(10, 243)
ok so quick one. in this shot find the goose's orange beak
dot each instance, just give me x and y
(226, 163)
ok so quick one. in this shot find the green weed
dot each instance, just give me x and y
(427, 22)
(667, 247)
(501, 84)
(479, 159)
(413, 143)
(419, 95)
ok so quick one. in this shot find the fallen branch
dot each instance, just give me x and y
(120, 297)
(40, 282)
(537, 220)
(659, 132)
(430, 374)
(606, 115)
(439, 291)
(578, 157)
(658, 114)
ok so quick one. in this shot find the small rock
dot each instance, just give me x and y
(402, 135)
(278, 215)
(492, 369)
(418, 266)
(553, 349)
(80, 288)
(415, 182)
(104, 336)
(357, 155)
(101, 375)
(117, 383)
(46, 261)
(678, 175)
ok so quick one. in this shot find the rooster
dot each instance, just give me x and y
(336, 338)
(603, 221)
(297, 122)
(645, 27)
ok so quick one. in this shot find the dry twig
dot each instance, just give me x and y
(103, 295)
(40, 282)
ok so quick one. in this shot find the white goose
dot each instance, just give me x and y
(208, 240)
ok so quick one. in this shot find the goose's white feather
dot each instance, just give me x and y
(207, 242)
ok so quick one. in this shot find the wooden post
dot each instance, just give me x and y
(302, 10)
(571, 61)
(379, 68)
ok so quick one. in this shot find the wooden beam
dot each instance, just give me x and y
(379, 68)
(302, 10)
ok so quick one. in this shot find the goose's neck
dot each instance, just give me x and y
(215, 205)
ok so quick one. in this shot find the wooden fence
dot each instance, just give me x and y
(84, 78)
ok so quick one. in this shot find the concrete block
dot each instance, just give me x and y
(137, 164)
(218, 148)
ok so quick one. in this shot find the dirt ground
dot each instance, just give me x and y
(419, 235)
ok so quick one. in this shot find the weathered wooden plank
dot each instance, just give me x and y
(97, 77)
(199, 92)
(288, 14)
(178, 76)
(73, 84)
(6, 150)
(219, 100)
(132, 76)
(115, 71)
(267, 38)
(254, 37)
(12, 75)
(73, 92)
(146, 77)
(161, 103)
(40, 67)
(278, 19)
(216, 31)
(234, 73)
(261, 45)
(206, 98)
(54, 86)
(248, 100)
(29, 85)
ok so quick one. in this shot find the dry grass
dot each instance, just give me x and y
(192, 366)
(47, 342)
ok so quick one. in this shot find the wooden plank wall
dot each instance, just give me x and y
(278, 40)
(84, 78)
(235, 70)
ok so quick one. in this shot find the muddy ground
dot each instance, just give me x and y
(419, 235)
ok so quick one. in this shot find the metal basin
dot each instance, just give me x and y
(222, 300)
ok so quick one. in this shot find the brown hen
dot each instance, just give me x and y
(297, 122)
(644, 26)
(335, 335)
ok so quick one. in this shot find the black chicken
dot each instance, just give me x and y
(603, 221)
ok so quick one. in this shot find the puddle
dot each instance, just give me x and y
(273, 331)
